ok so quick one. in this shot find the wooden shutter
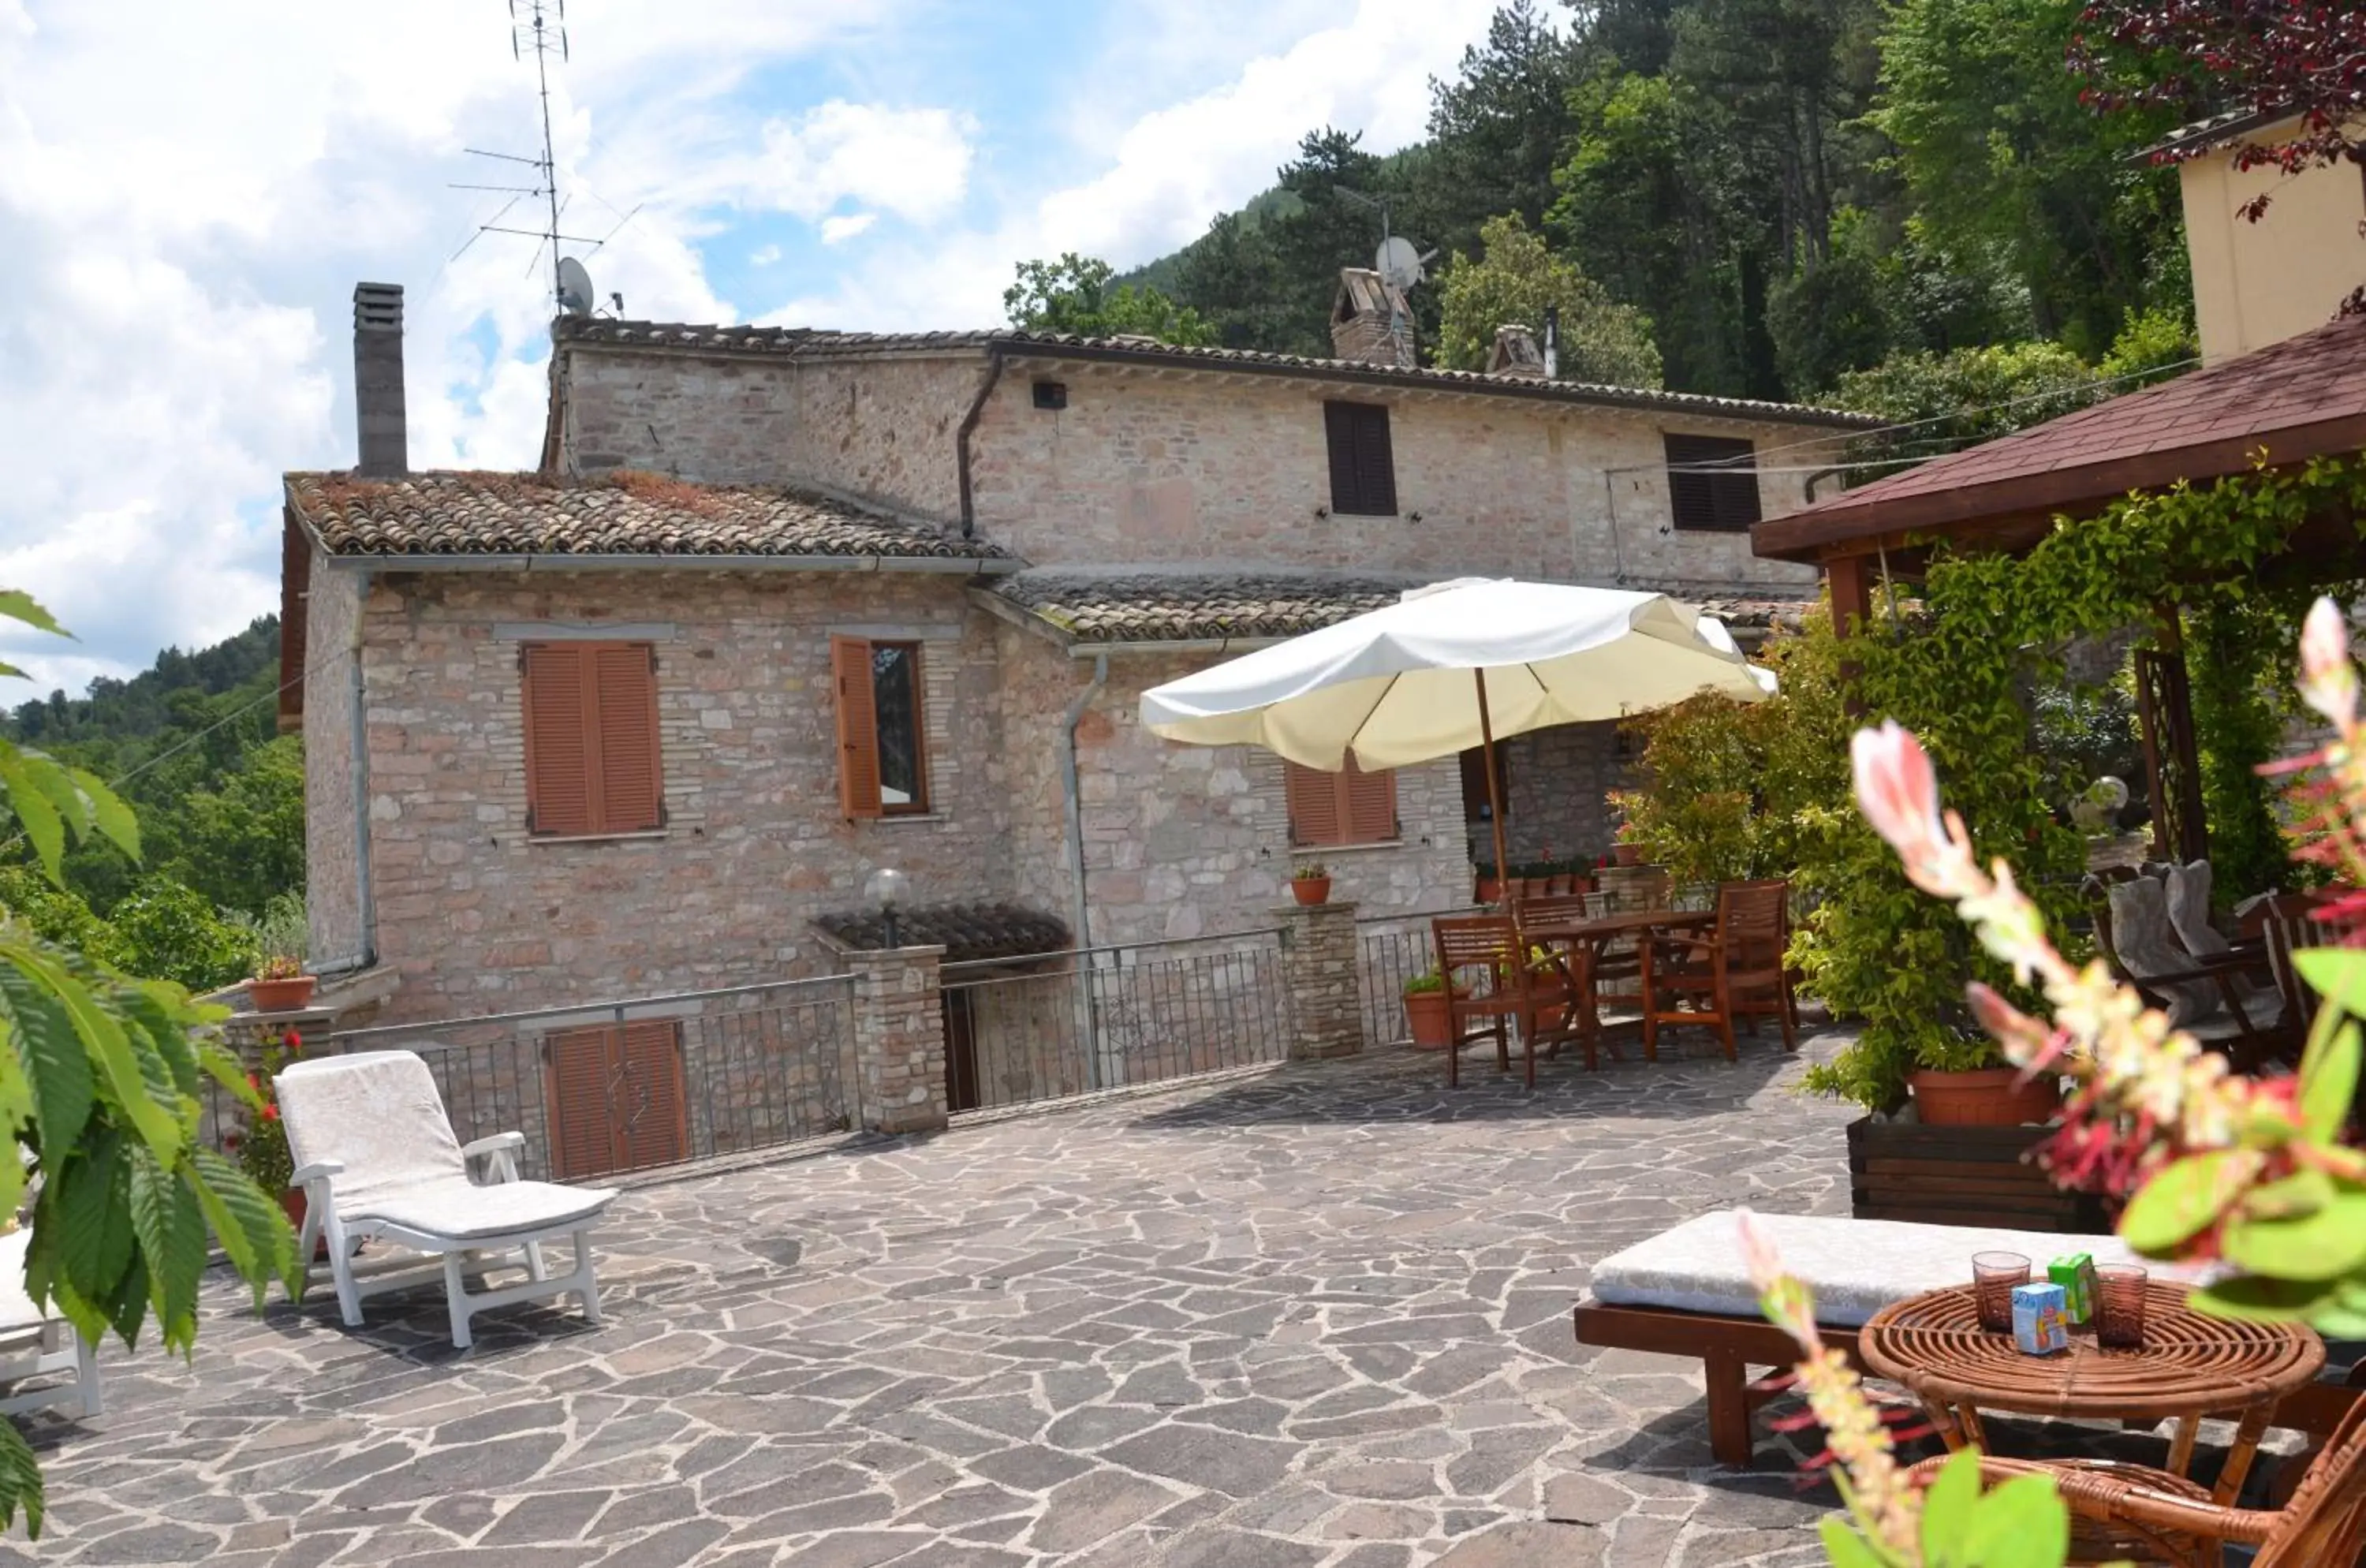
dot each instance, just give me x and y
(1706, 501)
(577, 1066)
(558, 761)
(650, 1109)
(294, 603)
(858, 727)
(1363, 466)
(1370, 804)
(630, 793)
(1315, 815)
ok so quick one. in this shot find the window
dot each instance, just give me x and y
(591, 738)
(1351, 807)
(615, 1099)
(882, 764)
(1363, 471)
(1052, 395)
(1709, 502)
(1475, 798)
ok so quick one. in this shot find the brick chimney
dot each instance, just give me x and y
(384, 447)
(1371, 323)
(1516, 354)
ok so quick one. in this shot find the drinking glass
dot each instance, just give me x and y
(1994, 1276)
(2120, 1306)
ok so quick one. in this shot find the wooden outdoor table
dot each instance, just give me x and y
(1597, 931)
(2190, 1366)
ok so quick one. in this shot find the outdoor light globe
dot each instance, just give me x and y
(886, 888)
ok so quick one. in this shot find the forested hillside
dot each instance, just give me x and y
(192, 745)
(1899, 204)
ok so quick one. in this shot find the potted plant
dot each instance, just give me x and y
(1427, 1011)
(1489, 888)
(281, 984)
(1544, 975)
(1309, 883)
(1967, 1083)
(261, 1147)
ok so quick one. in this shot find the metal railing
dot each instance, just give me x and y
(1393, 949)
(1045, 1026)
(636, 1084)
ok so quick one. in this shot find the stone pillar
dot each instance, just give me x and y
(899, 1039)
(1325, 975)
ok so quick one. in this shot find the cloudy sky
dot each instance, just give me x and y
(188, 192)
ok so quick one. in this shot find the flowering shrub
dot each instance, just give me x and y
(262, 1145)
(2249, 1172)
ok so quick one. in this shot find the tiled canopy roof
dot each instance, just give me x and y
(2303, 398)
(807, 343)
(447, 514)
(1182, 604)
(967, 931)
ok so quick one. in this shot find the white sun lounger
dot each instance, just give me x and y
(37, 1349)
(377, 1161)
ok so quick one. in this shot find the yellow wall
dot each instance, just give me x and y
(2255, 284)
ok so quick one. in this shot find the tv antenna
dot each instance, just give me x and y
(540, 27)
(1398, 259)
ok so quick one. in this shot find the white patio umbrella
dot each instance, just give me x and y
(1453, 667)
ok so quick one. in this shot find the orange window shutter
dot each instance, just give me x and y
(559, 761)
(1315, 817)
(651, 1120)
(579, 1066)
(858, 727)
(1370, 804)
(631, 789)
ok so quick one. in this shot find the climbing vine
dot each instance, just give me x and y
(1953, 666)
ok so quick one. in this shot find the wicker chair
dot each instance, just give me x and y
(1489, 984)
(1733, 971)
(2122, 1511)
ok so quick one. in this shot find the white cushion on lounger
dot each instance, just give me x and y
(1855, 1267)
(458, 1209)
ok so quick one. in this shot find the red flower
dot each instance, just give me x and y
(271, 1114)
(254, 1083)
(294, 1042)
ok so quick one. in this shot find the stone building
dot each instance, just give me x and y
(785, 605)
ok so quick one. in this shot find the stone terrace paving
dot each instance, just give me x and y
(1315, 1317)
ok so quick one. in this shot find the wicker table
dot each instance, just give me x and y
(2191, 1366)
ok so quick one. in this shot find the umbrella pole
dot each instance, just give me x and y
(1495, 792)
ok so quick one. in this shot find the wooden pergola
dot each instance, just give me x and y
(2284, 404)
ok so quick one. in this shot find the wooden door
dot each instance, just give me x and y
(615, 1097)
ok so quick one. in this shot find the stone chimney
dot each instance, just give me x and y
(1516, 354)
(384, 447)
(1371, 323)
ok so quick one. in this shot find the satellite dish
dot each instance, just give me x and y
(1398, 262)
(575, 294)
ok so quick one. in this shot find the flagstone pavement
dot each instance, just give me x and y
(1317, 1318)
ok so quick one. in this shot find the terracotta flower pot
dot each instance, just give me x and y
(1626, 854)
(1490, 890)
(1433, 1029)
(281, 996)
(1991, 1096)
(1311, 889)
(291, 1204)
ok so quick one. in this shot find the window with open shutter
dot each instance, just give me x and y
(1363, 467)
(1712, 483)
(591, 752)
(614, 1096)
(1349, 808)
(882, 728)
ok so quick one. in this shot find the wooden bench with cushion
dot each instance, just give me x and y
(1687, 1292)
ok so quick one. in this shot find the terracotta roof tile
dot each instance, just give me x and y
(968, 932)
(807, 342)
(446, 513)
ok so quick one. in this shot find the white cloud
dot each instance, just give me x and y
(843, 226)
(765, 255)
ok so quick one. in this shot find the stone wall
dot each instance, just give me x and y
(880, 428)
(1554, 784)
(479, 917)
(1189, 841)
(332, 872)
(1233, 469)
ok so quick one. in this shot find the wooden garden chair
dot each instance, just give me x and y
(1734, 970)
(2121, 1511)
(2206, 998)
(1489, 988)
(1578, 957)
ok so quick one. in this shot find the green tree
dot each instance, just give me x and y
(169, 930)
(99, 1078)
(1496, 130)
(1832, 317)
(1997, 151)
(1952, 400)
(242, 843)
(1079, 294)
(1517, 281)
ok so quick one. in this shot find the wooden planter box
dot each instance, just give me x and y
(1960, 1175)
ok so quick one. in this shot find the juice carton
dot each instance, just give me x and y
(2076, 1274)
(2041, 1325)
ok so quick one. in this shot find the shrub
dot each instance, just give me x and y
(169, 930)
